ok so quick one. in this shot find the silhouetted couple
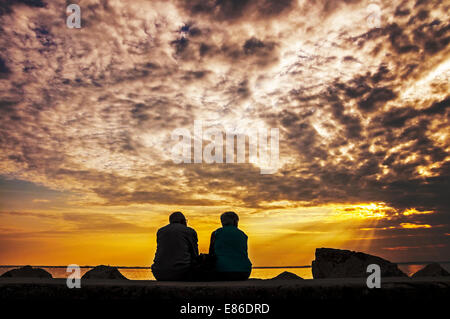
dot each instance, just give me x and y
(177, 257)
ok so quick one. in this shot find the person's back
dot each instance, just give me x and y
(176, 249)
(229, 246)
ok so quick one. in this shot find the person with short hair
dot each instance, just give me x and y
(176, 250)
(229, 246)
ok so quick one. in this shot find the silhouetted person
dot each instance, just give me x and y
(177, 248)
(229, 246)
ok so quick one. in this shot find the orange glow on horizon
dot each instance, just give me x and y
(128, 239)
(412, 226)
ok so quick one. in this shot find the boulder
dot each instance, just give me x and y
(103, 272)
(431, 270)
(27, 272)
(337, 263)
(286, 275)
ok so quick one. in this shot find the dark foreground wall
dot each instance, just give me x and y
(284, 298)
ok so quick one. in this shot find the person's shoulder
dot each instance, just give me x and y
(163, 228)
(242, 232)
(191, 230)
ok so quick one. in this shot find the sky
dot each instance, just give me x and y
(358, 90)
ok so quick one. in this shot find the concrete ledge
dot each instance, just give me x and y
(325, 298)
(30, 288)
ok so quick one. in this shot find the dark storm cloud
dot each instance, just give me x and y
(376, 98)
(235, 9)
(4, 70)
(438, 107)
(351, 123)
(180, 45)
(6, 6)
(92, 110)
(258, 47)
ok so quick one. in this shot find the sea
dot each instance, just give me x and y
(145, 273)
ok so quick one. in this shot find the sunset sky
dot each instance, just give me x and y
(359, 91)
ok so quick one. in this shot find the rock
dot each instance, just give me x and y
(431, 270)
(103, 272)
(337, 263)
(27, 272)
(286, 275)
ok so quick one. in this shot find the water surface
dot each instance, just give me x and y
(262, 273)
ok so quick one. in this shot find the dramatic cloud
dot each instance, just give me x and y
(358, 90)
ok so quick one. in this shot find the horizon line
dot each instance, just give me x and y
(253, 267)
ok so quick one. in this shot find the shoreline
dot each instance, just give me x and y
(253, 267)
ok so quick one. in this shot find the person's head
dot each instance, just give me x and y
(229, 219)
(177, 218)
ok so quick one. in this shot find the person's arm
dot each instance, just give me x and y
(195, 244)
(246, 246)
(246, 250)
(211, 243)
(157, 258)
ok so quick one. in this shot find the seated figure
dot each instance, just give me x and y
(229, 246)
(176, 250)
